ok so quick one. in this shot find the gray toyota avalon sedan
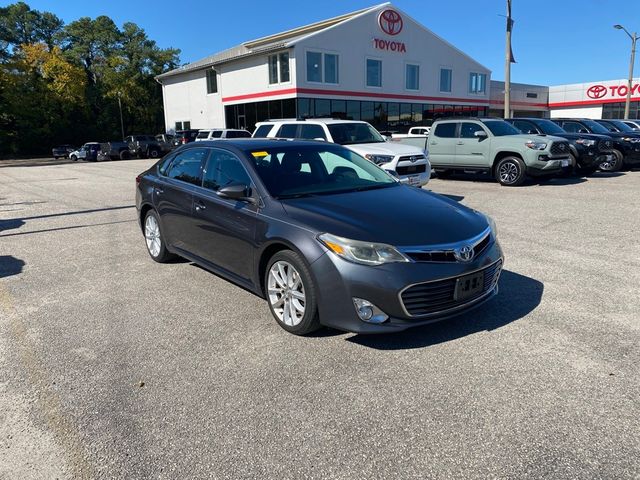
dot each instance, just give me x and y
(325, 236)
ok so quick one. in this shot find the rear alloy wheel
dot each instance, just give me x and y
(153, 153)
(154, 240)
(510, 172)
(614, 164)
(291, 293)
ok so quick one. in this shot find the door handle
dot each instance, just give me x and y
(460, 143)
(200, 206)
(159, 190)
(434, 143)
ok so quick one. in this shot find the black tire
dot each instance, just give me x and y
(510, 171)
(163, 255)
(125, 155)
(572, 169)
(615, 165)
(310, 321)
(74, 158)
(153, 152)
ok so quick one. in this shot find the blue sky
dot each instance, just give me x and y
(554, 41)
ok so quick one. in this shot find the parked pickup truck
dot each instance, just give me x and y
(414, 132)
(493, 146)
(408, 163)
(114, 151)
(146, 146)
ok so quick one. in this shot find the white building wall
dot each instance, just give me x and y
(186, 99)
(354, 41)
(579, 112)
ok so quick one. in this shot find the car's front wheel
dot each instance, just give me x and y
(613, 163)
(510, 171)
(74, 158)
(153, 152)
(154, 239)
(291, 293)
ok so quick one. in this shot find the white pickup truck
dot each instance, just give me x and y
(413, 132)
(409, 163)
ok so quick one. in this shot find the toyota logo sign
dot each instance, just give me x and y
(596, 91)
(390, 22)
(464, 254)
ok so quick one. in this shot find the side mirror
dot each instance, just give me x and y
(480, 134)
(235, 192)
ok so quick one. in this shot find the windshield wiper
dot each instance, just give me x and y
(295, 195)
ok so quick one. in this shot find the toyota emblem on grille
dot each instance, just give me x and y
(562, 147)
(413, 159)
(464, 254)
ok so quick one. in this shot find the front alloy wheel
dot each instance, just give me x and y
(613, 163)
(510, 172)
(153, 238)
(291, 293)
(286, 293)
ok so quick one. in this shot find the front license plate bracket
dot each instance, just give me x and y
(469, 286)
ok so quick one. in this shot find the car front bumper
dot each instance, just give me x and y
(553, 166)
(339, 282)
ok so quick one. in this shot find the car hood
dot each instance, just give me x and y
(386, 148)
(398, 215)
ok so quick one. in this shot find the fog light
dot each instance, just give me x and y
(368, 312)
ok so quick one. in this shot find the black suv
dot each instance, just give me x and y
(588, 150)
(626, 146)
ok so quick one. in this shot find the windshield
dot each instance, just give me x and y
(354, 133)
(623, 127)
(595, 126)
(550, 128)
(501, 128)
(299, 171)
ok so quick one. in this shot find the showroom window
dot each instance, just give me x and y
(412, 77)
(212, 81)
(279, 68)
(322, 67)
(374, 73)
(445, 79)
(477, 83)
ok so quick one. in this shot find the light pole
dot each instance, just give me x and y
(633, 38)
(121, 122)
(508, 60)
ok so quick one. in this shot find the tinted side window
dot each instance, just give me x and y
(445, 130)
(573, 127)
(186, 166)
(238, 134)
(468, 130)
(224, 168)
(288, 130)
(216, 134)
(262, 131)
(524, 127)
(312, 131)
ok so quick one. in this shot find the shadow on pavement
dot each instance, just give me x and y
(559, 181)
(518, 296)
(10, 265)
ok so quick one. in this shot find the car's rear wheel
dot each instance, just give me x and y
(510, 171)
(614, 164)
(291, 293)
(125, 155)
(154, 153)
(154, 239)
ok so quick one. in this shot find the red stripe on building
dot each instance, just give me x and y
(591, 102)
(527, 104)
(346, 93)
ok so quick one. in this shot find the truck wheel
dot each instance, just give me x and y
(124, 155)
(613, 165)
(510, 171)
(153, 152)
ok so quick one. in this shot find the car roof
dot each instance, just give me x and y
(326, 121)
(256, 143)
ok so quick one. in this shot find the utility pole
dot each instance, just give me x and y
(634, 38)
(121, 122)
(507, 64)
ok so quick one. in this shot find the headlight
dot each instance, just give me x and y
(536, 145)
(379, 159)
(492, 225)
(586, 142)
(364, 253)
(631, 139)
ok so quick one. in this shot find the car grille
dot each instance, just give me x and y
(605, 145)
(447, 255)
(437, 297)
(411, 169)
(560, 148)
(411, 158)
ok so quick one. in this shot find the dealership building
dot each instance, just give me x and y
(377, 65)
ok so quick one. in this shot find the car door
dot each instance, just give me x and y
(472, 150)
(442, 144)
(225, 228)
(173, 196)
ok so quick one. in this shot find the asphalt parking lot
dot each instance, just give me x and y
(113, 366)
